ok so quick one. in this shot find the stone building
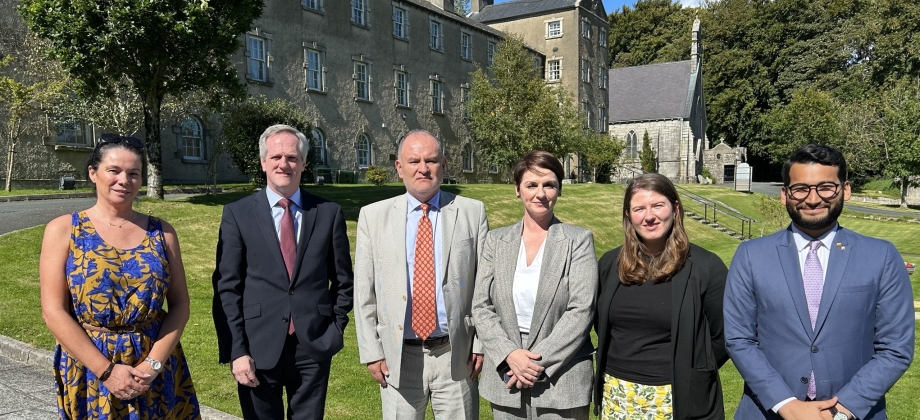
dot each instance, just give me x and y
(665, 100)
(722, 160)
(366, 72)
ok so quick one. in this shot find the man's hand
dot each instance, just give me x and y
(807, 410)
(475, 364)
(522, 365)
(244, 370)
(379, 371)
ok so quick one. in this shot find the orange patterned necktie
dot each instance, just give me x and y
(423, 299)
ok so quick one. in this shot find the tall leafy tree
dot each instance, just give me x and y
(515, 111)
(652, 31)
(901, 127)
(163, 47)
(600, 152)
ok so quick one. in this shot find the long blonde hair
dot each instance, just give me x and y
(635, 263)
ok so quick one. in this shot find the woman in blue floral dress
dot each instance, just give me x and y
(106, 273)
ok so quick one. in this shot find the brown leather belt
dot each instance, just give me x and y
(430, 342)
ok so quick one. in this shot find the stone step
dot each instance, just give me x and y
(721, 229)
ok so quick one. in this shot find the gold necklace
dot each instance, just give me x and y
(110, 223)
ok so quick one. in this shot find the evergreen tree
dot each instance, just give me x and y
(647, 156)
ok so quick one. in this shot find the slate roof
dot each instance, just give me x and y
(650, 92)
(426, 4)
(518, 8)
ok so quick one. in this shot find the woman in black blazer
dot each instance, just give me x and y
(659, 315)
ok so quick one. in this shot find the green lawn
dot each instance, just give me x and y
(352, 394)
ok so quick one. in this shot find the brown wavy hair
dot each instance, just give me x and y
(635, 263)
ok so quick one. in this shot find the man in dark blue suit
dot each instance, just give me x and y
(282, 287)
(819, 319)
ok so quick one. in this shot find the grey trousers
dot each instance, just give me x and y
(425, 376)
(537, 413)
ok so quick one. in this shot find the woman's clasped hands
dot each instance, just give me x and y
(524, 371)
(127, 382)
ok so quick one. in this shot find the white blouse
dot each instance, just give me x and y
(524, 287)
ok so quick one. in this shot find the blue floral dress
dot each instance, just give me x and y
(111, 288)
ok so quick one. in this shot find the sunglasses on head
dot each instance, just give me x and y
(109, 138)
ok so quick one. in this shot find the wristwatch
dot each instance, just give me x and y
(837, 415)
(158, 367)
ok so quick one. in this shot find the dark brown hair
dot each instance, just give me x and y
(635, 263)
(534, 162)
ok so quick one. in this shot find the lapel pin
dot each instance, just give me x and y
(840, 245)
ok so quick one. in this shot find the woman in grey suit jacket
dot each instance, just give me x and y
(659, 315)
(534, 305)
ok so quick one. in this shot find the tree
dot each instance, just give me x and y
(516, 112)
(245, 122)
(653, 31)
(462, 7)
(647, 156)
(810, 117)
(901, 127)
(164, 48)
(600, 152)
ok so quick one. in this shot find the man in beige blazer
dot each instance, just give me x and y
(414, 364)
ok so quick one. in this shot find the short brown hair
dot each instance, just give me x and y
(536, 160)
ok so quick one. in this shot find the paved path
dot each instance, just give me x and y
(27, 384)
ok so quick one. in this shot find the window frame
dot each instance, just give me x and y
(550, 71)
(632, 145)
(466, 152)
(550, 33)
(360, 12)
(313, 5)
(602, 37)
(436, 93)
(589, 122)
(405, 88)
(318, 144)
(187, 141)
(79, 129)
(585, 29)
(261, 60)
(403, 25)
(602, 77)
(585, 70)
(466, 45)
(363, 137)
(435, 34)
(602, 119)
(360, 81)
(465, 100)
(492, 49)
(318, 74)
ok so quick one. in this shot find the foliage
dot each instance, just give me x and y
(647, 158)
(600, 152)
(810, 117)
(376, 175)
(244, 122)
(516, 112)
(164, 48)
(900, 124)
(774, 215)
(652, 31)
(462, 7)
(706, 173)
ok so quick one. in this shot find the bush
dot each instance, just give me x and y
(376, 175)
(244, 122)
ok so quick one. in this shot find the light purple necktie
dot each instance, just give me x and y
(813, 277)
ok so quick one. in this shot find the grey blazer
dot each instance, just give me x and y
(381, 279)
(561, 322)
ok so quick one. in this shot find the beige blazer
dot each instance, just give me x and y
(381, 279)
(562, 317)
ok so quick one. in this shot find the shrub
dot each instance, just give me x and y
(244, 122)
(376, 175)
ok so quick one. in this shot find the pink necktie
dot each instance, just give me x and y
(288, 245)
(423, 299)
(813, 277)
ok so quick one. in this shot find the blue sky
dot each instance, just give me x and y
(611, 5)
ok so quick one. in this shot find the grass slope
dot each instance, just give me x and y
(352, 393)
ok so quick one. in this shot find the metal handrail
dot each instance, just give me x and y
(718, 207)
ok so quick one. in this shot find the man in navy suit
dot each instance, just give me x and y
(819, 319)
(282, 287)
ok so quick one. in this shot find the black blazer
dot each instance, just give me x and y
(696, 332)
(253, 297)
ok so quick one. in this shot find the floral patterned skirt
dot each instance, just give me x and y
(624, 400)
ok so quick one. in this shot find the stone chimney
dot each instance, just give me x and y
(695, 49)
(447, 5)
(477, 5)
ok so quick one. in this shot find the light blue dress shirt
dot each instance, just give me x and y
(413, 216)
(278, 211)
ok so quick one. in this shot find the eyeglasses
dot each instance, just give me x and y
(825, 190)
(109, 138)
